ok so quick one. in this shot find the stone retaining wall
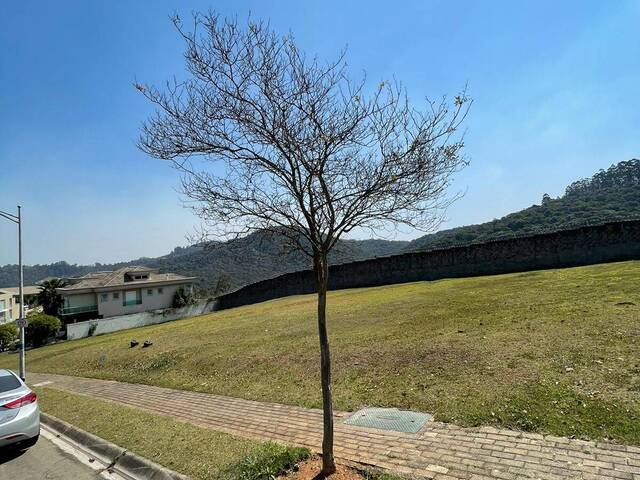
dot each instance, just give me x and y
(610, 242)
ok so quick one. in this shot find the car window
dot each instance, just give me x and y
(8, 382)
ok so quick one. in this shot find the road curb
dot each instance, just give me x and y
(117, 457)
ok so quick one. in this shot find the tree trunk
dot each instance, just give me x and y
(321, 269)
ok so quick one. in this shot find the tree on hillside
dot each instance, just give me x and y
(183, 298)
(48, 298)
(620, 175)
(303, 150)
(223, 284)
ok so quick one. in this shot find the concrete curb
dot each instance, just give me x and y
(117, 457)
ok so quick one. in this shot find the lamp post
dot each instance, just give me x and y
(21, 322)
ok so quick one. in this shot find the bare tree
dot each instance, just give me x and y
(301, 149)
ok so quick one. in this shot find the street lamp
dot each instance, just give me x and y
(21, 322)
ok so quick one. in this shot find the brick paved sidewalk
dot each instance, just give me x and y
(439, 451)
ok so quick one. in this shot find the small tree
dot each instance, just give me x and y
(223, 284)
(41, 328)
(48, 298)
(305, 151)
(8, 334)
(182, 298)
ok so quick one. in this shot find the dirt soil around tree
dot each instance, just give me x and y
(310, 470)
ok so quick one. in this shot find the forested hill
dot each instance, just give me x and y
(609, 195)
(221, 266)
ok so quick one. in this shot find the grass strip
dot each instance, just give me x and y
(197, 452)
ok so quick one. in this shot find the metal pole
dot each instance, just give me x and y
(22, 355)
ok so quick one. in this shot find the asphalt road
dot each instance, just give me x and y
(44, 461)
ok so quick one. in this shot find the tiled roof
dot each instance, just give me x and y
(26, 290)
(117, 278)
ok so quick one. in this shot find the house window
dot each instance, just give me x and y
(116, 295)
(104, 297)
(160, 290)
(132, 297)
(150, 291)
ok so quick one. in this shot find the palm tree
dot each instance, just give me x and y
(48, 298)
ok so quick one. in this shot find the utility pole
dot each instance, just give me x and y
(23, 373)
(21, 322)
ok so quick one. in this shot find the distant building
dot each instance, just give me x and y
(6, 304)
(10, 302)
(127, 290)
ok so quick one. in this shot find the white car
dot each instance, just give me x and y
(19, 412)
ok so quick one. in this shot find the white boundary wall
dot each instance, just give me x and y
(134, 320)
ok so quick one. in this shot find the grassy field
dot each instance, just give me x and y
(551, 351)
(199, 453)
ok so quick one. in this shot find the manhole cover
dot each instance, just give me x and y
(389, 419)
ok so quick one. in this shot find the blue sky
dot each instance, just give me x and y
(555, 88)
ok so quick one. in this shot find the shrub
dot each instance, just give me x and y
(92, 328)
(182, 298)
(8, 334)
(270, 461)
(41, 328)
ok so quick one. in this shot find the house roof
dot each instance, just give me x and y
(100, 280)
(26, 290)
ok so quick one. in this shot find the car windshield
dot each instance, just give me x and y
(8, 382)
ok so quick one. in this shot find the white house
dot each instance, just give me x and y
(127, 290)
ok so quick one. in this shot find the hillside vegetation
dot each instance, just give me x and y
(608, 195)
(548, 351)
(219, 266)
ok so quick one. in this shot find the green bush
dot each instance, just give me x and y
(182, 298)
(8, 334)
(92, 328)
(41, 328)
(267, 463)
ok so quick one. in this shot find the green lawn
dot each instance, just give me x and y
(197, 452)
(551, 351)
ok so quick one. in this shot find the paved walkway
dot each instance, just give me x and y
(440, 451)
